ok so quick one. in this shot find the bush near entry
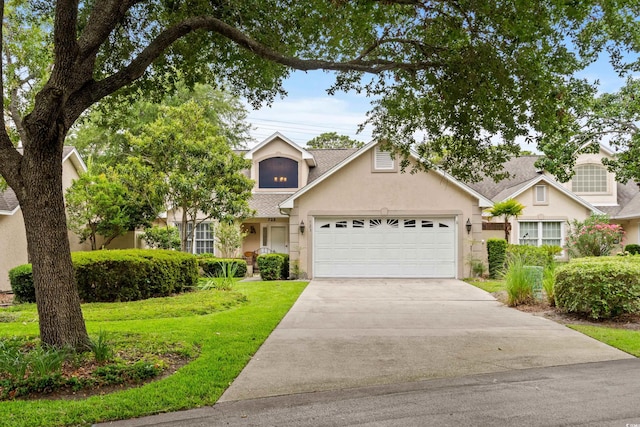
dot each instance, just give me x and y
(215, 267)
(273, 266)
(121, 275)
(599, 288)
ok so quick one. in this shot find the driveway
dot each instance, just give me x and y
(352, 333)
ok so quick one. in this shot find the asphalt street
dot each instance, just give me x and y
(589, 394)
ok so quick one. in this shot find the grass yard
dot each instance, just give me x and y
(488, 285)
(227, 327)
(622, 339)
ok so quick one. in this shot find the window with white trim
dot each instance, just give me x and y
(540, 194)
(383, 160)
(589, 178)
(204, 240)
(538, 233)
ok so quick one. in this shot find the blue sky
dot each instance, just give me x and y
(308, 110)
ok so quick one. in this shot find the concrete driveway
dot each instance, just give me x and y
(352, 333)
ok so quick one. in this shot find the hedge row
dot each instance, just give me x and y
(120, 275)
(217, 267)
(599, 287)
(273, 266)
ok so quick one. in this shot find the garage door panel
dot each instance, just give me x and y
(384, 247)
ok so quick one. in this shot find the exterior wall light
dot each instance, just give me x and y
(301, 227)
(468, 226)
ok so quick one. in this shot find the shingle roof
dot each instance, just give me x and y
(266, 204)
(326, 159)
(521, 171)
(8, 199)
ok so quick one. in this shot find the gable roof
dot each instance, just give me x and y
(306, 156)
(9, 201)
(515, 191)
(288, 203)
(524, 174)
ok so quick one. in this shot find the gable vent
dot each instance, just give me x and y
(383, 160)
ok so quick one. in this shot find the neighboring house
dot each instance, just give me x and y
(549, 205)
(353, 213)
(13, 240)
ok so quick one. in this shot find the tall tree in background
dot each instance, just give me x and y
(191, 166)
(333, 140)
(471, 70)
(100, 133)
(608, 117)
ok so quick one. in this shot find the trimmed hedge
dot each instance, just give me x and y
(632, 248)
(542, 256)
(599, 287)
(128, 275)
(496, 251)
(214, 266)
(272, 266)
(21, 279)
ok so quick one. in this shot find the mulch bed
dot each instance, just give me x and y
(542, 308)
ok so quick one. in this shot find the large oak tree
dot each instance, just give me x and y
(460, 72)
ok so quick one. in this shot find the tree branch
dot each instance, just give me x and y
(10, 159)
(94, 91)
(104, 18)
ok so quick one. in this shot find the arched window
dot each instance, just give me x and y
(278, 172)
(589, 179)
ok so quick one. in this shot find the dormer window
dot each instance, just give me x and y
(589, 179)
(278, 172)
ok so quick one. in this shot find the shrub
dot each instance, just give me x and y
(162, 237)
(215, 267)
(519, 282)
(593, 237)
(633, 249)
(133, 274)
(21, 279)
(496, 250)
(599, 287)
(284, 273)
(271, 266)
(127, 275)
(534, 255)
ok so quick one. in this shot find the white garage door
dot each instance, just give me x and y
(384, 247)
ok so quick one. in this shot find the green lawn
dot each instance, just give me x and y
(487, 285)
(623, 339)
(228, 327)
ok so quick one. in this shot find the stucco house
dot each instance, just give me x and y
(550, 204)
(353, 213)
(13, 240)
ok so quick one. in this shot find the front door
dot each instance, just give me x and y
(279, 239)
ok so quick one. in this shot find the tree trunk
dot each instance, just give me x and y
(43, 210)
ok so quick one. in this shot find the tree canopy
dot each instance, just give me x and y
(469, 76)
(333, 140)
(612, 118)
(191, 166)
